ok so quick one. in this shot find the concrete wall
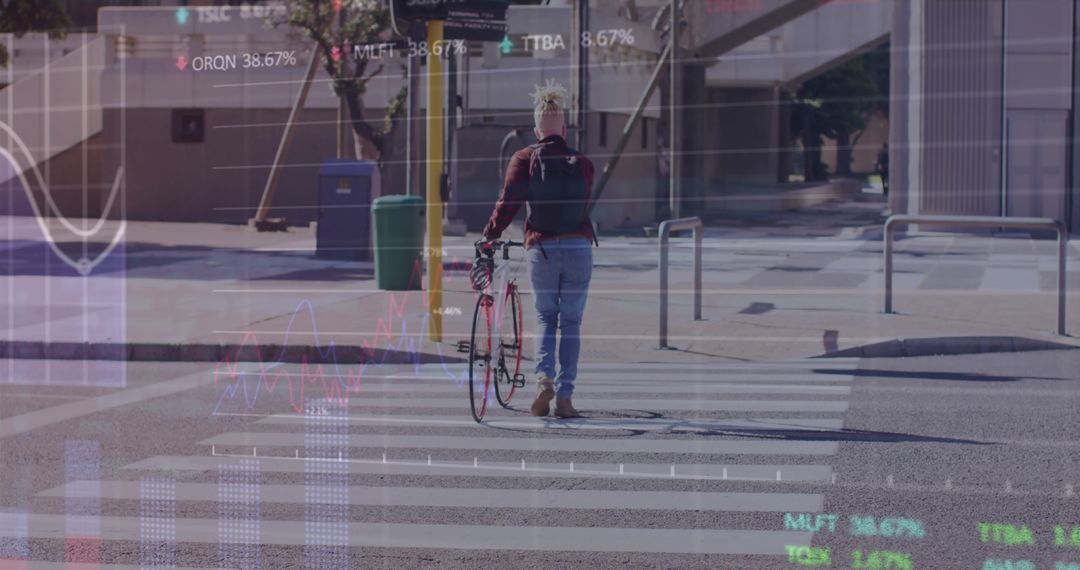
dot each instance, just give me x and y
(807, 45)
(1038, 65)
(968, 92)
(222, 178)
(961, 122)
(76, 184)
(741, 147)
(629, 198)
(731, 142)
(1074, 182)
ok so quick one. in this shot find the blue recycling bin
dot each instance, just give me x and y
(344, 210)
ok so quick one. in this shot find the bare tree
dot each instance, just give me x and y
(334, 25)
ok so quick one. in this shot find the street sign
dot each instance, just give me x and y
(475, 20)
(418, 10)
(487, 10)
(424, 10)
(475, 30)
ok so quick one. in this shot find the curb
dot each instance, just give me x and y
(947, 346)
(164, 352)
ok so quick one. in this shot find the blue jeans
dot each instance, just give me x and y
(560, 285)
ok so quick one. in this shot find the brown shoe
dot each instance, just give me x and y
(545, 393)
(564, 408)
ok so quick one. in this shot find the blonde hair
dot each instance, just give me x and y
(550, 101)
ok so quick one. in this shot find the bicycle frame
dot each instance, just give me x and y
(497, 290)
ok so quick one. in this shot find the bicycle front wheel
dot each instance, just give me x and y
(510, 329)
(480, 358)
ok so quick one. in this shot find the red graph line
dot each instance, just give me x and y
(331, 384)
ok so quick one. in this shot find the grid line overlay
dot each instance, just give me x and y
(326, 485)
(82, 525)
(239, 514)
(15, 546)
(157, 523)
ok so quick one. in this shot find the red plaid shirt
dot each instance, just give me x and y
(515, 193)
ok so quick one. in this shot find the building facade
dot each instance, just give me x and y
(984, 108)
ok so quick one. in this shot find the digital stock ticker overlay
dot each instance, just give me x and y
(735, 284)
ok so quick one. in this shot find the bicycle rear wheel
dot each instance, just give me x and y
(510, 346)
(480, 357)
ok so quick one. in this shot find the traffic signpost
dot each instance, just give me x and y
(473, 20)
(468, 20)
(483, 20)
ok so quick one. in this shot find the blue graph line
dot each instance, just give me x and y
(329, 356)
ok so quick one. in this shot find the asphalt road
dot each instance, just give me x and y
(673, 467)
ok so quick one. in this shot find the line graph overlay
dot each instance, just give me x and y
(64, 275)
(328, 377)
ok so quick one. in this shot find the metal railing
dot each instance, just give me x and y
(666, 227)
(980, 222)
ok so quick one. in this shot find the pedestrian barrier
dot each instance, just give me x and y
(666, 227)
(978, 222)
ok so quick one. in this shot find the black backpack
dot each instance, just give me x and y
(557, 193)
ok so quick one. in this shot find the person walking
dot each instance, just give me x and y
(555, 181)
(882, 166)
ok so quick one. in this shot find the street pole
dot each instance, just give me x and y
(342, 138)
(674, 102)
(433, 170)
(341, 128)
(412, 130)
(579, 86)
(451, 125)
(286, 138)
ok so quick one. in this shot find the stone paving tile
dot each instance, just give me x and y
(954, 277)
(1010, 279)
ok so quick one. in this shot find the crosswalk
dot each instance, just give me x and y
(669, 460)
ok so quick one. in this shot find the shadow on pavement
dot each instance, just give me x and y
(641, 422)
(920, 375)
(189, 262)
(845, 435)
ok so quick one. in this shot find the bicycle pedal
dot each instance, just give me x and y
(463, 346)
(518, 380)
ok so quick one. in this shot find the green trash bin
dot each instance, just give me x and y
(398, 228)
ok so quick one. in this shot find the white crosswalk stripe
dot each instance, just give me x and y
(658, 439)
(473, 443)
(673, 425)
(462, 537)
(464, 497)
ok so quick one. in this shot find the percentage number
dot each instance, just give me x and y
(269, 59)
(439, 48)
(610, 37)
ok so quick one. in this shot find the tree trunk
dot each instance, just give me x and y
(364, 148)
(364, 145)
(813, 169)
(813, 163)
(393, 175)
(843, 153)
(363, 133)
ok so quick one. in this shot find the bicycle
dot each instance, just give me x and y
(494, 351)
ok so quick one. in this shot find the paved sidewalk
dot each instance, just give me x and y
(800, 284)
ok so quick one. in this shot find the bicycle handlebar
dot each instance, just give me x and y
(500, 243)
(495, 245)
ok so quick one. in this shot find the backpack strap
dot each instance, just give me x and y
(536, 159)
